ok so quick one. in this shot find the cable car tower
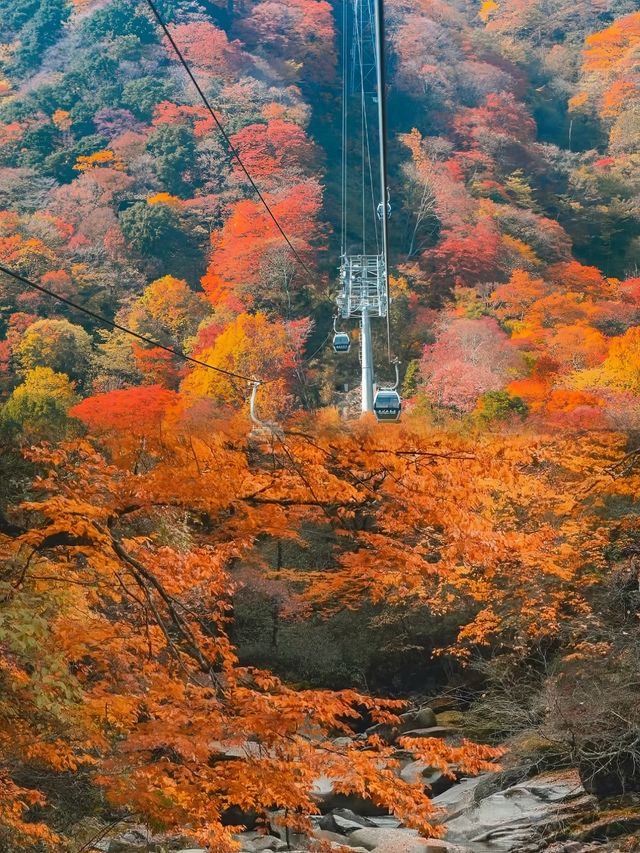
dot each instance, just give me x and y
(364, 278)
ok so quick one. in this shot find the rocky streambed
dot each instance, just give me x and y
(548, 813)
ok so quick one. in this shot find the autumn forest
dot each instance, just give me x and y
(239, 616)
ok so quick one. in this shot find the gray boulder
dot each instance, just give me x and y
(328, 800)
(397, 841)
(434, 780)
(388, 840)
(418, 771)
(425, 718)
(131, 841)
(264, 842)
(508, 819)
(327, 835)
(432, 731)
(343, 821)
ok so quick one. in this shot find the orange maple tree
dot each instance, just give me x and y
(148, 693)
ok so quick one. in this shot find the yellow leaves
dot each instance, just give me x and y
(621, 368)
(487, 9)
(617, 96)
(399, 286)
(105, 158)
(165, 198)
(609, 47)
(578, 101)
(62, 119)
(610, 68)
(521, 249)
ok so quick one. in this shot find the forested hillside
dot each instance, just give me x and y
(197, 612)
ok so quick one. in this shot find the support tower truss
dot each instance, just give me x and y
(363, 287)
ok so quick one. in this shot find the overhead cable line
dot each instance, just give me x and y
(113, 325)
(382, 132)
(345, 119)
(232, 149)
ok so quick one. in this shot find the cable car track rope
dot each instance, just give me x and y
(232, 149)
(114, 325)
(357, 54)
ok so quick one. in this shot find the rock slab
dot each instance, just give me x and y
(508, 819)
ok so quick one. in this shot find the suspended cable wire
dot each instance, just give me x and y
(232, 149)
(363, 120)
(345, 122)
(113, 325)
(374, 206)
(382, 129)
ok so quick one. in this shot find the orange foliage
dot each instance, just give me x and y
(62, 119)
(207, 48)
(608, 48)
(577, 346)
(175, 727)
(164, 198)
(610, 67)
(513, 299)
(248, 251)
(533, 391)
(575, 277)
(100, 158)
(274, 152)
(562, 400)
(157, 365)
(299, 34)
(621, 368)
(129, 412)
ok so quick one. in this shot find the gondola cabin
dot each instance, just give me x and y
(387, 405)
(341, 342)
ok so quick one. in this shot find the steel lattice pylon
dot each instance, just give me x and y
(362, 286)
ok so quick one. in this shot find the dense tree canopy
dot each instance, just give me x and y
(146, 519)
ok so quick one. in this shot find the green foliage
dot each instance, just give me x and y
(152, 229)
(60, 164)
(16, 472)
(166, 241)
(117, 19)
(37, 409)
(498, 406)
(38, 143)
(411, 379)
(40, 31)
(113, 364)
(520, 190)
(141, 96)
(16, 13)
(58, 344)
(174, 150)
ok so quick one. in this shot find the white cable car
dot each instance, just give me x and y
(341, 342)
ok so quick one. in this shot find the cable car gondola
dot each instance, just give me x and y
(387, 405)
(341, 342)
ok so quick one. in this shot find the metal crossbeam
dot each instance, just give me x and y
(362, 286)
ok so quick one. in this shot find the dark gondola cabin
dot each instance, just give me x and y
(341, 342)
(387, 405)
